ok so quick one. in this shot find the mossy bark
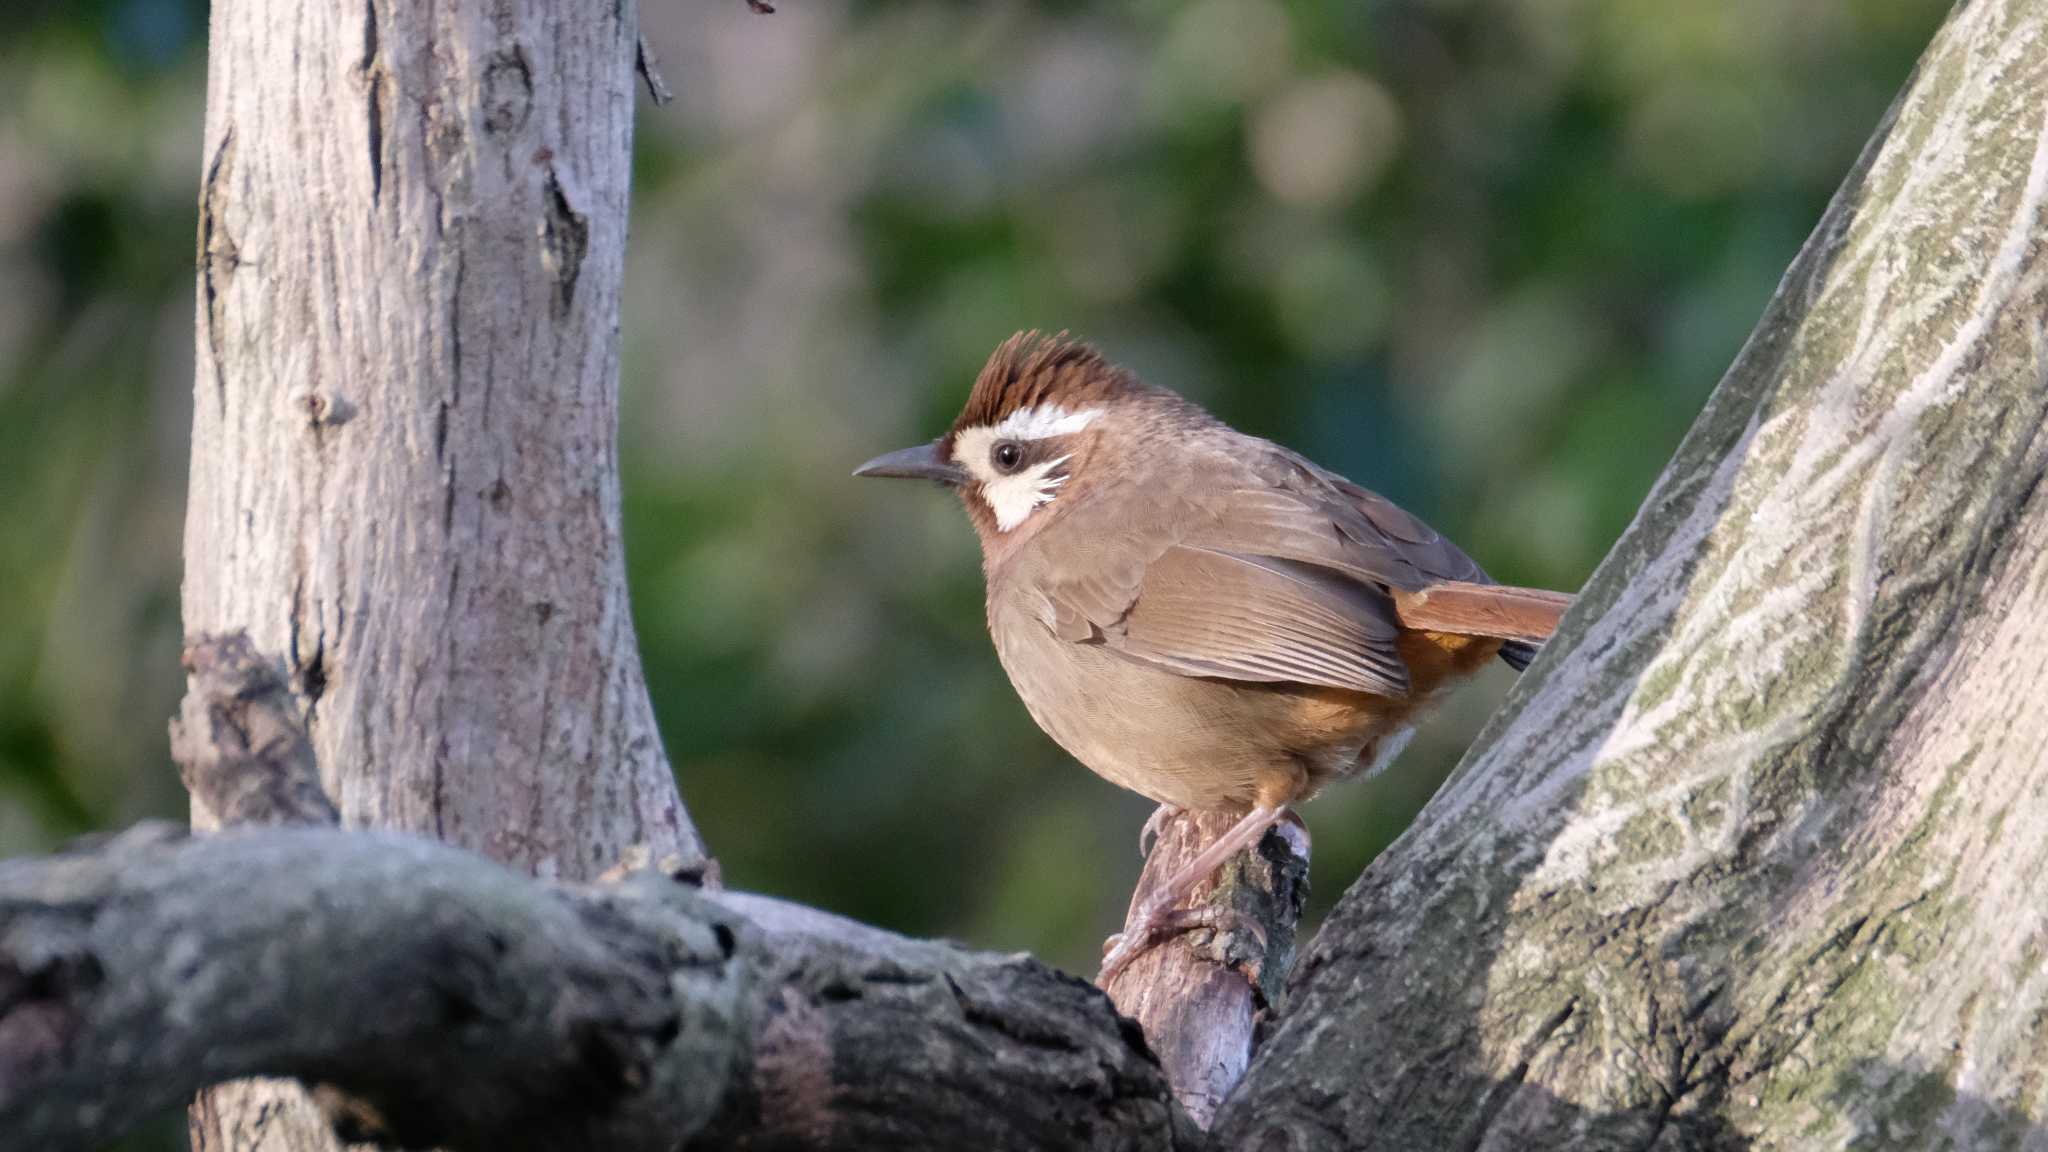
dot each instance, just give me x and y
(1748, 860)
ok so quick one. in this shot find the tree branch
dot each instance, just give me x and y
(239, 741)
(649, 67)
(465, 1006)
(433, 998)
(1199, 996)
(1749, 856)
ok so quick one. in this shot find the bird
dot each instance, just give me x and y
(1198, 615)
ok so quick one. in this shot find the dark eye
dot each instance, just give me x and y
(1006, 455)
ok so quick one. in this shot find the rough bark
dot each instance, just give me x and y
(1748, 861)
(1200, 996)
(240, 739)
(412, 233)
(428, 996)
(511, 1014)
(553, 1009)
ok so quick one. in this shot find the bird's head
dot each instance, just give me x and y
(1032, 435)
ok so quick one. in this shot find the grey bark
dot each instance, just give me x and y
(404, 471)
(240, 739)
(440, 999)
(1751, 858)
(427, 996)
(404, 474)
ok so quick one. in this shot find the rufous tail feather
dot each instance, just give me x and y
(1482, 610)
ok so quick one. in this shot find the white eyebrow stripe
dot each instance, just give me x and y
(1040, 423)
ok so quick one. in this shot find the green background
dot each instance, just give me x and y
(1485, 256)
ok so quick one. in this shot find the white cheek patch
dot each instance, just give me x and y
(1014, 497)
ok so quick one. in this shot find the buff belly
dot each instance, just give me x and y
(1197, 743)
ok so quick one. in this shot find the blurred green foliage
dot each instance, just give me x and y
(1487, 256)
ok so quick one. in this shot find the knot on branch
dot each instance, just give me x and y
(39, 989)
(240, 738)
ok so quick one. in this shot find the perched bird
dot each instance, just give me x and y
(1200, 616)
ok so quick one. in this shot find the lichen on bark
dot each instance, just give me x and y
(1723, 873)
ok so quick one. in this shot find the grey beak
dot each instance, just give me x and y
(920, 463)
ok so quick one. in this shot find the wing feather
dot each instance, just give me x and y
(1205, 612)
(1280, 573)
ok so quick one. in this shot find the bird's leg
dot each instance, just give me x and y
(1155, 824)
(1153, 920)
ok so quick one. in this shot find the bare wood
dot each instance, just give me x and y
(1752, 860)
(1482, 610)
(1201, 995)
(153, 967)
(244, 756)
(640, 1013)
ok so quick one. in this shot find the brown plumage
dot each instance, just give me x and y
(1029, 369)
(1198, 615)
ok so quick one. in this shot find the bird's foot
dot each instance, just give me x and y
(1149, 929)
(1153, 920)
(1155, 825)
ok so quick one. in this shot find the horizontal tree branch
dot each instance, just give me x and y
(462, 1005)
(434, 998)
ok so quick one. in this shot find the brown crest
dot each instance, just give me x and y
(1032, 369)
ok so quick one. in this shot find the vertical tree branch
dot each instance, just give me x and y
(240, 739)
(1200, 995)
(404, 455)
(405, 479)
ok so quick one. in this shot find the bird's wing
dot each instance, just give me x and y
(1298, 510)
(1284, 573)
(1231, 584)
(1305, 513)
(1262, 619)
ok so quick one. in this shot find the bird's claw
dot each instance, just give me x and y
(1155, 826)
(1151, 927)
(1118, 951)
